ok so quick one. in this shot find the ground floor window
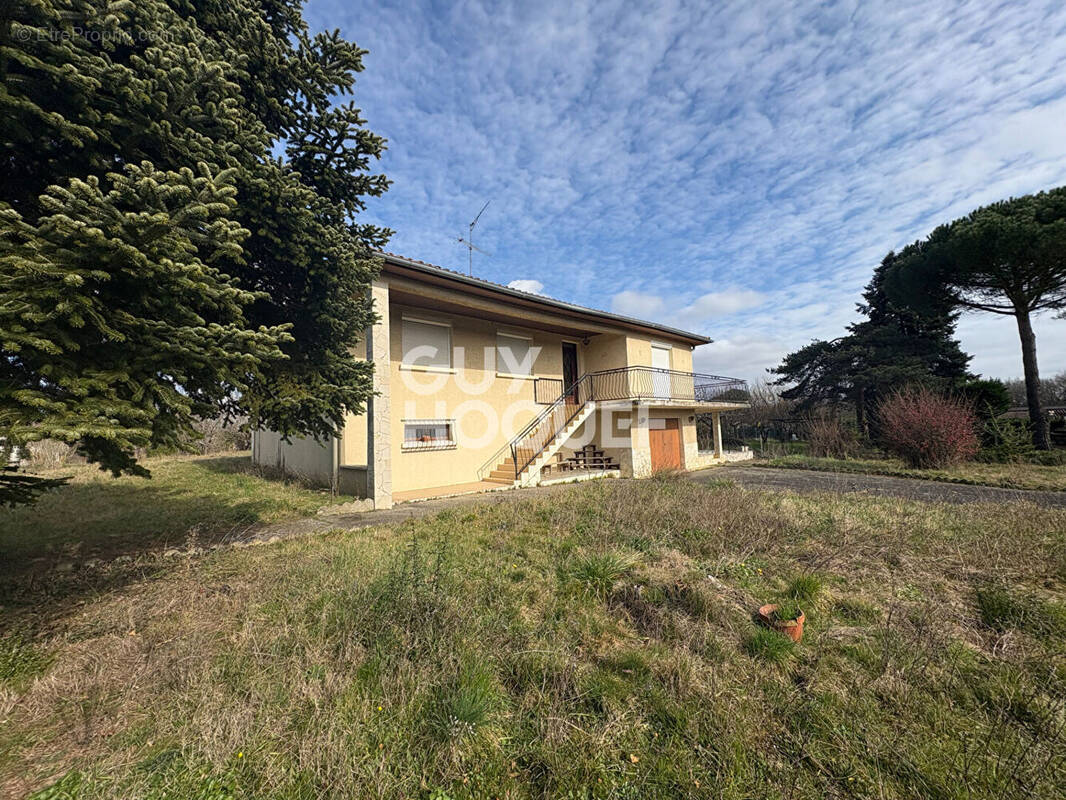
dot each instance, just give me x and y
(428, 434)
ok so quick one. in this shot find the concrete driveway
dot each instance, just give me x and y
(803, 480)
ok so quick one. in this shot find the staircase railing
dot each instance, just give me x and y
(538, 434)
(493, 461)
(623, 383)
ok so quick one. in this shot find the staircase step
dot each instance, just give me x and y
(545, 453)
(503, 481)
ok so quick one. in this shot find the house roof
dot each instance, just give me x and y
(465, 281)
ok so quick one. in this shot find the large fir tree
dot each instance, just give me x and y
(158, 259)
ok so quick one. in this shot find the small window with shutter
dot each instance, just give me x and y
(427, 344)
(514, 355)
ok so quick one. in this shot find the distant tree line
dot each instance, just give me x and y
(1007, 258)
(1052, 391)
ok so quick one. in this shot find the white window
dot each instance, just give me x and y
(514, 354)
(427, 344)
(428, 434)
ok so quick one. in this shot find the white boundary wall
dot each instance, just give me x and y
(307, 458)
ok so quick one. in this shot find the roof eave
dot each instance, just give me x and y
(694, 338)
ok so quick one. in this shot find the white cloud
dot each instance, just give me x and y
(740, 172)
(718, 304)
(993, 340)
(744, 355)
(706, 308)
(527, 285)
(638, 304)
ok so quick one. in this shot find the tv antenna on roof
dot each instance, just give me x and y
(468, 242)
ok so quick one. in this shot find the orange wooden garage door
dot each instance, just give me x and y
(665, 446)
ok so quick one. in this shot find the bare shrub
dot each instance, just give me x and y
(927, 429)
(217, 435)
(764, 414)
(828, 437)
(50, 454)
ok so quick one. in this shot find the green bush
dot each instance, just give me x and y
(1049, 458)
(1006, 441)
(987, 397)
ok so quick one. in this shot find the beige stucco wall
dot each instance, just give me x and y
(491, 407)
(605, 351)
(488, 407)
(353, 443)
(638, 353)
(681, 358)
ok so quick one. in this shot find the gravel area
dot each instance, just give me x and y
(804, 480)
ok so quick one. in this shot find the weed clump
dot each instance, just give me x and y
(767, 645)
(598, 572)
(1003, 610)
(805, 589)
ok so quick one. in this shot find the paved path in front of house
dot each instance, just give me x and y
(336, 517)
(804, 480)
(796, 480)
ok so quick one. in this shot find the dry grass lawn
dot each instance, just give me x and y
(599, 647)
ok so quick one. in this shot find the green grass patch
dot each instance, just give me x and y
(598, 572)
(805, 589)
(1005, 609)
(1007, 476)
(20, 661)
(770, 646)
(851, 609)
(199, 499)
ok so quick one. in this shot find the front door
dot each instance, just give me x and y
(570, 370)
(665, 445)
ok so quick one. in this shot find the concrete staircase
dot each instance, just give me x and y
(530, 476)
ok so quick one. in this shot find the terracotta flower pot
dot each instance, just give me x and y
(792, 628)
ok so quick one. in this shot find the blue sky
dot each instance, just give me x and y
(734, 168)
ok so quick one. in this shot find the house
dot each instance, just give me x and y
(481, 386)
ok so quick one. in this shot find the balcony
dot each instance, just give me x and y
(662, 386)
(668, 386)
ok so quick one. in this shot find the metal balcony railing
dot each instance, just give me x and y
(652, 383)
